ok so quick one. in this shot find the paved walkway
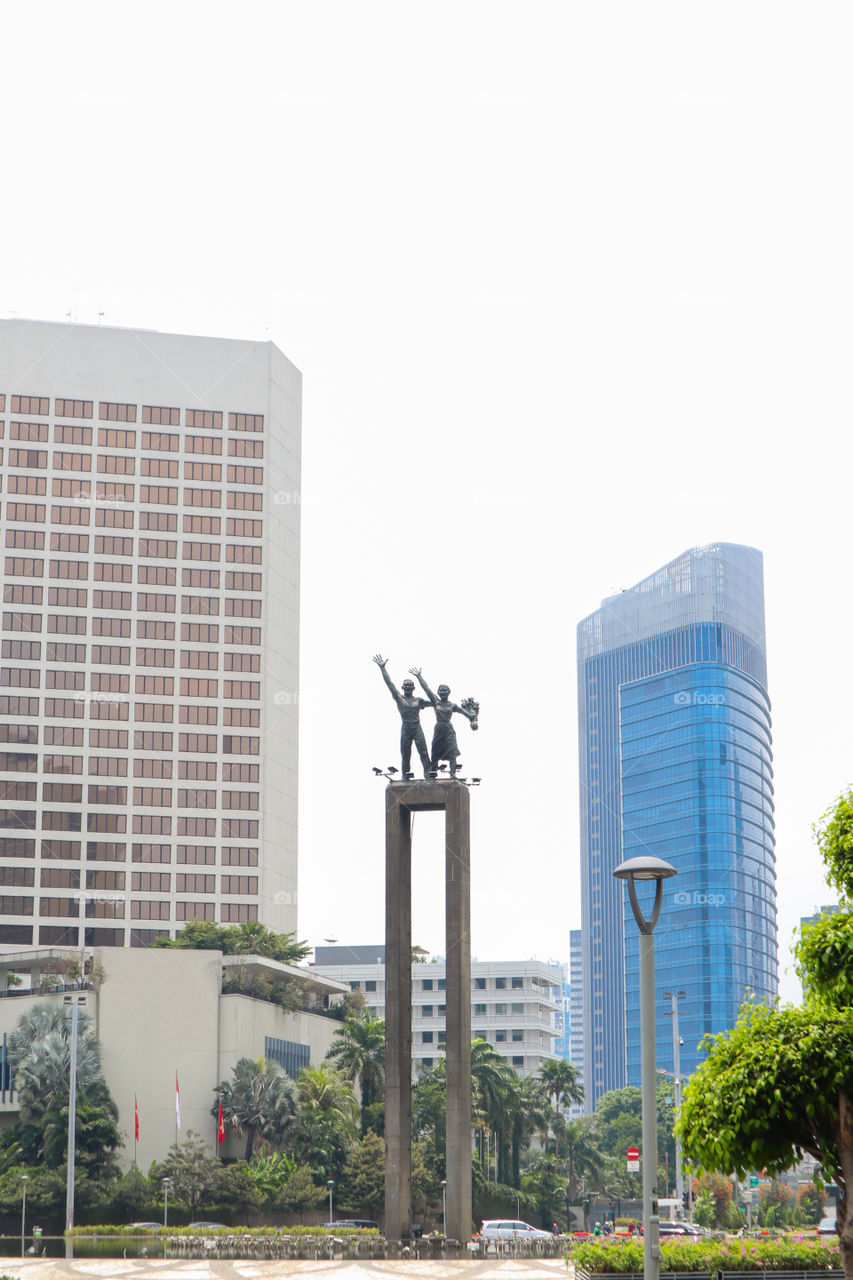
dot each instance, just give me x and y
(200, 1269)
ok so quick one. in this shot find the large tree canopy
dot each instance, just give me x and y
(780, 1083)
(771, 1089)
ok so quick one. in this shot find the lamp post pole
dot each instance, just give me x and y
(166, 1184)
(651, 1237)
(444, 1207)
(331, 1185)
(75, 1002)
(675, 996)
(24, 1179)
(655, 870)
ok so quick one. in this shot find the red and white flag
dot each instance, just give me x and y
(220, 1133)
(177, 1102)
(135, 1118)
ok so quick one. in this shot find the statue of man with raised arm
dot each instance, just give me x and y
(410, 708)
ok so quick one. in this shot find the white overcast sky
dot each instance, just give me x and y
(570, 288)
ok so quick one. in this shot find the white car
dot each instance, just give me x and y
(512, 1229)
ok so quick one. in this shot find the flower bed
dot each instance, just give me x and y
(625, 1257)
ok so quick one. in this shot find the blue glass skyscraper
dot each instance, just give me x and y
(676, 761)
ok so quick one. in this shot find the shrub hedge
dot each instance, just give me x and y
(110, 1229)
(621, 1256)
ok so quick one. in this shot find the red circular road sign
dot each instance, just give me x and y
(633, 1153)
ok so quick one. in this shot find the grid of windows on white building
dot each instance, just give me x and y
(149, 521)
(514, 1004)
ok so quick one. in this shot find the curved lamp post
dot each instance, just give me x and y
(24, 1180)
(654, 869)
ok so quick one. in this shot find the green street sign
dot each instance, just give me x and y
(753, 1181)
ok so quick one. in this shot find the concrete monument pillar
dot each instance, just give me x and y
(401, 801)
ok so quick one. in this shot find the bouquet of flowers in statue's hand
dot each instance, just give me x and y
(473, 710)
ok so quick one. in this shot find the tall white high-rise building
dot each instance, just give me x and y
(149, 519)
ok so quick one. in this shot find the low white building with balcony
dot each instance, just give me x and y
(514, 1003)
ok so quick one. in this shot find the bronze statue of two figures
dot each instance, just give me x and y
(410, 706)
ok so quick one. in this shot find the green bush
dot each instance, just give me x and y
(621, 1256)
(110, 1229)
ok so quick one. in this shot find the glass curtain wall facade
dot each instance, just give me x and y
(675, 761)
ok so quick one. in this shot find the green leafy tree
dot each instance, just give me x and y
(363, 1178)
(300, 1191)
(811, 1200)
(133, 1196)
(618, 1120)
(96, 1135)
(429, 1115)
(544, 1187)
(235, 1189)
(718, 1191)
(45, 1194)
(426, 1184)
(780, 1083)
(194, 1171)
(358, 1052)
(258, 1103)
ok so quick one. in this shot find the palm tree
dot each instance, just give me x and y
(530, 1111)
(562, 1080)
(493, 1083)
(326, 1094)
(258, 1103)
(563, 1085)
(40, 1056)
(358, 1051)
(250, 937)
(326, 1121)
(582, 1157)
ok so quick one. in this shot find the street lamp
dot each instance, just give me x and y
(24, 1179)
(331, 1185)
(167, 1182)
(675, 996)
(75, 1001)
(656, 870)
(444, 1207)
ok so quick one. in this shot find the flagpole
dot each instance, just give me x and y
(135, 1127)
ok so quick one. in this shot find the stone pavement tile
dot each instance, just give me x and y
(245, 1269)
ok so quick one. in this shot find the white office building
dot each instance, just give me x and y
(514, 1003)
(171, 1027)
(149, 519)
